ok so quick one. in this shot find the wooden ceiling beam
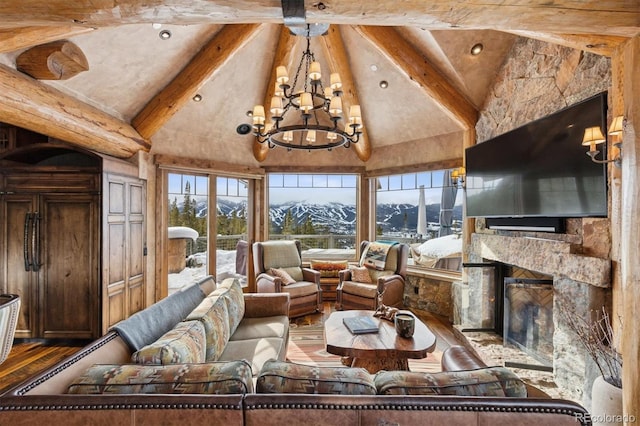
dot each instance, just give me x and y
(336, 57)
(610, 17)
(196, 73)
(415, 66)
(58, 60)
(12, 39)
(603, 45)
(283, 56)
(27, 103)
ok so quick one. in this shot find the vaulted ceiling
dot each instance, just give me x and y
(137, 93)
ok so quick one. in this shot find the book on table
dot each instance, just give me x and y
(361, 325)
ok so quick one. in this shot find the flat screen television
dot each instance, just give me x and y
(541, 169)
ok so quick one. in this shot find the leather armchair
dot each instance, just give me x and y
(305, 294)
(352, 294)
(9, 309)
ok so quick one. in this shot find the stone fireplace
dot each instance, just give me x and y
(578, 267)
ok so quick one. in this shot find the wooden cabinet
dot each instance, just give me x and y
(329, 286)
(73, 240)
(124, 247)
(49, 245)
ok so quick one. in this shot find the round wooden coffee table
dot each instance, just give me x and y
(384, 350)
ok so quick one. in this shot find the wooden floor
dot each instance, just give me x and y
(28, 359)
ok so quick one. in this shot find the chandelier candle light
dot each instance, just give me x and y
(319, 110)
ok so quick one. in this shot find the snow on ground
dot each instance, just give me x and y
(441, 247)
(225, 259)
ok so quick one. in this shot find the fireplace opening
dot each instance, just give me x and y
(528, 319)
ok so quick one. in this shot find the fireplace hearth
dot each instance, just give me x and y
(535, 326)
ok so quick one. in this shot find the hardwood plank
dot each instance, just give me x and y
(28, 359)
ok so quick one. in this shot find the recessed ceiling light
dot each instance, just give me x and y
(384, 84)
(164, 34)
(197, 97)
(249, 113)
(374, 67)
(477, 49)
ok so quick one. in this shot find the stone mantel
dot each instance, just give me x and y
(549, 257)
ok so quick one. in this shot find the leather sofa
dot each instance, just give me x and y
(45, 398)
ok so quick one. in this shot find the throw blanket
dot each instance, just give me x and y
(375, 256)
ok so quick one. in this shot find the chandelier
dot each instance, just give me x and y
(305, 114)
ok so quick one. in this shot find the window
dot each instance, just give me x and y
(423, 210)
(189, 223)
(317, 209)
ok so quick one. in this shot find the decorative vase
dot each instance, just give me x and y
(606, 403)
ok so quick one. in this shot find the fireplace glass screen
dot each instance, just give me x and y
(528, 317)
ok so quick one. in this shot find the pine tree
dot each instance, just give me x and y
(288, 224)
(174, 213)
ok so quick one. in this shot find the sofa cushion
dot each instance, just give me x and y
(255, 351)
(492, 381)
(207, 378)
(369, 291)
(214, 315)
(329, 268)
(231, 290)
(301, 289)
(288, 377)
(184, 343)
(254, 328)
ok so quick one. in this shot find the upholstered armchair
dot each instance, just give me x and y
(9, 309)
(278, 268)
(360, 285)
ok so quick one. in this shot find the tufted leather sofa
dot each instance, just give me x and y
(42, 399)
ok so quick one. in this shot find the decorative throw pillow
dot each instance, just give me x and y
(185, 343)
(360, 274)
(230, 377)
(289, 377)
(328, 268)
(283, 275)
(490, 381)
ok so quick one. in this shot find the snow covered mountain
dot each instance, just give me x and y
(340, 218)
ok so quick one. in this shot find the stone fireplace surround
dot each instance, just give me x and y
(580, 266)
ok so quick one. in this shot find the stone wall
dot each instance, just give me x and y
(536, 80)
(429, 294)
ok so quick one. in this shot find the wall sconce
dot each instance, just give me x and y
(458, 175)
(593, 136)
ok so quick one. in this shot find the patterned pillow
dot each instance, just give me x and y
(231, 290)
(327, 268)
(283, 275)
(288, 377)
(214, 315)
(360, 274)
(230, 377)
(184, 343)
(491, 381)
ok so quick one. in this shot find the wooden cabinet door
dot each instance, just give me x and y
(68, 228)
(16, 277)
(123, 247)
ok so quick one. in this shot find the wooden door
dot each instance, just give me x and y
(15, 266)
(68, 228)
